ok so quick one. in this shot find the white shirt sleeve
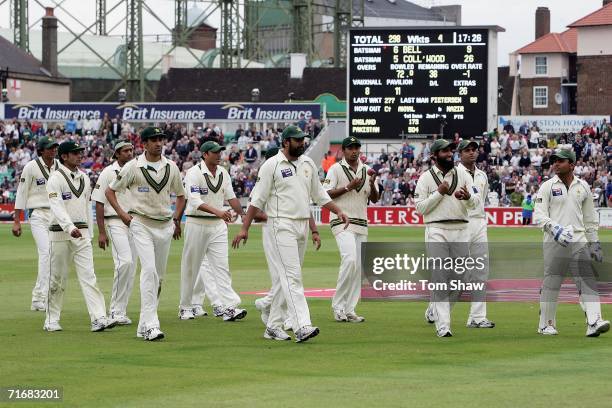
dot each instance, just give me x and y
(228, 189)
(317, 192)
(192, 186)
(541, 214)
(590, 219)
(263, 186)
(23, 188)
(424, 202)
(54, 189)
(177, 183)
(98, 193)
(125, 177)
(331, 181)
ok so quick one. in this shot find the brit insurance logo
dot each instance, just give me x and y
(265, 112)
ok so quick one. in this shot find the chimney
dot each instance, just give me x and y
(606, 2)
(542, 22)
(49, 41)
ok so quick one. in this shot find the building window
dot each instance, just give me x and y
(540, 97)
(541, 65)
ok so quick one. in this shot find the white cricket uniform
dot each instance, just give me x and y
(32, 194)
(69, 199)
(206, 235)
(284, 190)
(573, 206)
(151, 227)
(123, 249)
(354, 204)
(446, 224)
(479, 243)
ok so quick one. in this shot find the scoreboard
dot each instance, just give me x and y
(412, 81)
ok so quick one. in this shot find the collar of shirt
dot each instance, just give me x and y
(115, 166)
(142, 161)
(344, 163)
(75, 175)
(206, 170)
(281, 157)
(54, 166)
(476, 170)
(439, 172)
(556, 180)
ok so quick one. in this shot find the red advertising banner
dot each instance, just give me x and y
(6, 212)
(506, 216)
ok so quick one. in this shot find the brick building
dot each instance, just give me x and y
(566, 73)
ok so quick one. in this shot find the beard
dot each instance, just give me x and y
(445, 164)
(296, 151)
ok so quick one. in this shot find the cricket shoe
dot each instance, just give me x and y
(263, 309)
(352, 317)
(444, 332)
(218, 311)
(276, 334)
(483, 324)
(429, 315)
(38, 306)
(305, 333)
(198, 311)
(121, 319)
(186, 314)
(599, 327)
(52, 327)
(153, 334)
(102, 324)
(232, 314)
(548, 331)
(340, 316)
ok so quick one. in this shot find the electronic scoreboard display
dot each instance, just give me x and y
(408, 82)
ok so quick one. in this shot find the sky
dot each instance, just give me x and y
(516, 16)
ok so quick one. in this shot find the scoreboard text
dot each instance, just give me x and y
(410, 81)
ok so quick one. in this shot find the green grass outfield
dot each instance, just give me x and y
(392, 360)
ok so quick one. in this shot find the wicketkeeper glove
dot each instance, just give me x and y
(563, 235)
(596, 253)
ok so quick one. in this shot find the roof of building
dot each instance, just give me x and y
(566, 42)
(602, 16)
(399, 9)
(20, 62)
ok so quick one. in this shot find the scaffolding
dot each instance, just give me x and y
(298, 26)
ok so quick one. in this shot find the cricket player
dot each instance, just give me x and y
(208, 185)
(264, 304)
(477, 229)
(565, 211)
(123, 250)
(349, 185)
(70, 234)
(443, 197)
(286, 184)
(32, 194)
(152, 180)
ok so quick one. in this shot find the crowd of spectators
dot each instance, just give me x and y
(516, 164)
(245, 147)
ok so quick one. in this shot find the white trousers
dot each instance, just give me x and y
(479, 248)
(560, 263)
(285, 251)
(152, 246)
(204, 284)
(280, 313)
(39, 224)
(444, 243)
(125, 259)
(208, 240)
(63, 253)
(348, 287)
